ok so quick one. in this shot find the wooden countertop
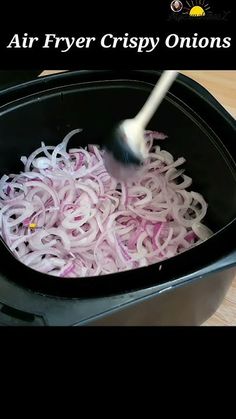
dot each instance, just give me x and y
(222, 85)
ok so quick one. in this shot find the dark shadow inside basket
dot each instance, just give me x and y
(50, 114)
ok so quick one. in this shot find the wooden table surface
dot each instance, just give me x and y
(222, 84)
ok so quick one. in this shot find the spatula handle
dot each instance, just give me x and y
(156, 97)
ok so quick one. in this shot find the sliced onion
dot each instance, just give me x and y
(67, 217)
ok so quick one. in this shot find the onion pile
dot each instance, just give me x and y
(64, 215)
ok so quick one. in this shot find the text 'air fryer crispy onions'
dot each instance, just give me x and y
(65, 216)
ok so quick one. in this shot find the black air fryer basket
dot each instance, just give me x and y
(190, 287)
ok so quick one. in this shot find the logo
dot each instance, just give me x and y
(192, 9)
(176, 6)
(199, 9)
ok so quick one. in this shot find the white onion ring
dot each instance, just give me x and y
(87, 223)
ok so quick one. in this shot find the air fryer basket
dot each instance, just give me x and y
(189, 287)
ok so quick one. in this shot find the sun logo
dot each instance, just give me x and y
(197, 8)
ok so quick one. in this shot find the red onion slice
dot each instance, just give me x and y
(67, 217)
